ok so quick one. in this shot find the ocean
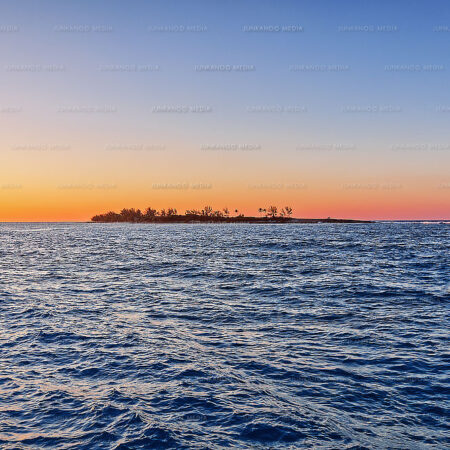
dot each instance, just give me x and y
(116, 336)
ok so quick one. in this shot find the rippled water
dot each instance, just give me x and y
(142, 336)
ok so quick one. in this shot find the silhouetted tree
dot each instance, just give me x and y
(130, 215)
(150, 214)
(272, 212)
(287, 211)
(110, 216)
(207, 211)
(193, 212)
(206, 214)
(138, 216)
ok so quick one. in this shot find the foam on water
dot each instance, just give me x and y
(209, 336)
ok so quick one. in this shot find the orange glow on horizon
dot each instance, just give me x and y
(79, 203)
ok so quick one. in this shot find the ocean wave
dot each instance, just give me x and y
(141, 336)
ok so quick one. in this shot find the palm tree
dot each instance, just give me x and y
(272, 212)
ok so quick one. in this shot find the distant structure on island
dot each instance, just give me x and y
(207, 215)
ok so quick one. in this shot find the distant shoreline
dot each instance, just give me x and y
(272, 214)
(253, 220)
(293, 220)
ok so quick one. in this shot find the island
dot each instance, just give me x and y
(272, 214)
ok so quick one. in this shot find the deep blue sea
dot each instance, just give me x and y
(116, 336)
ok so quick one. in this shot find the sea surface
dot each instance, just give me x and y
(116, 336)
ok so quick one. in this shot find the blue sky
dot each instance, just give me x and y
(391, 88)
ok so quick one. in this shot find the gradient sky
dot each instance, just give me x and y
(347, 115)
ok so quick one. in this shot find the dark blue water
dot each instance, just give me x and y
(210, 336)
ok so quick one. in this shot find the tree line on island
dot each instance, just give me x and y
(207, 214)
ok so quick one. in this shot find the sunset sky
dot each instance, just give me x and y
(337, 108)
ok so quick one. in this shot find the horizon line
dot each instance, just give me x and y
(294, 218)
